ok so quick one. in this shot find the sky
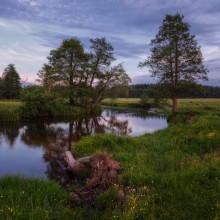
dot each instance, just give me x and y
(30, 29)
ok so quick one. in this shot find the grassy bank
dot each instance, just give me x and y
(175, 173)
(171, 174)
(12, 111)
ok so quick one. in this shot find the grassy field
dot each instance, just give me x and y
(122, 102)
(171, 174)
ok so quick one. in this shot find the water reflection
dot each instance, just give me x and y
(10, 133)
(36, 148)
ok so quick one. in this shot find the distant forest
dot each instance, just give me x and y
(136, 91)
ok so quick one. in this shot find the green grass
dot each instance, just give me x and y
(178, 167)
(171, 174)
(10, 110)
(122, 102)
(33, 199)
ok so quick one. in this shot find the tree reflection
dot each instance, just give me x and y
(10, 132)
(56, 138)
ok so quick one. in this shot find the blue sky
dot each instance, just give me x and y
(29, 29)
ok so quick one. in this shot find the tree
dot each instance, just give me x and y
(11, 83)
(1, 88)
(66, 64)
(176, 59)
(45, 77)
(88, 76)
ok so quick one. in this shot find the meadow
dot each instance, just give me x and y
(122, 102)
(171, 174)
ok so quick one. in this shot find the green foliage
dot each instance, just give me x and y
(176, 59)
(10, 111)
(1, 88)
(135, 91)
(155, 96)
(37, 102)
(10, 83)
(146, 101)
(88, 76)
(118, 91)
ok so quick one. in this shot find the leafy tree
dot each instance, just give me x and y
(1, 88)
(176, 59)
(64, 66)
(45, 77)
(88, 76)
(11, 83)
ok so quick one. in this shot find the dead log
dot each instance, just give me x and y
(76, 165)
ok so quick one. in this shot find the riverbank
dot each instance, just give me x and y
(11, 111)
(171, 174)
(175, 172)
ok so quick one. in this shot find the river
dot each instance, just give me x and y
(36, 148)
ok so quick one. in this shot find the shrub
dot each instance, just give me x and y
(39, 103)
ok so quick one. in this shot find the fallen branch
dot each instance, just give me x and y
(76, 165)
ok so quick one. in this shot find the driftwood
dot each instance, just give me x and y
(104, 174)
(76, 165)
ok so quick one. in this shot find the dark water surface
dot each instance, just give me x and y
(36, 148)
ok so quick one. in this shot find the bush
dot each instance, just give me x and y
(39, 103)
(153, 98)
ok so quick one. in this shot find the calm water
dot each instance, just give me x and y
(36, 148)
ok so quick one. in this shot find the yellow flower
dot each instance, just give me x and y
(210, 135)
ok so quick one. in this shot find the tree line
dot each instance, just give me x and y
(200, 91)
(87, 76)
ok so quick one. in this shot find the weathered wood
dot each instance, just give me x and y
(76, 165)
(69, 158)
(85, 160)
(73, 165)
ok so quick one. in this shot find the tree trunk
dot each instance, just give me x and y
(71, 100)
(76, 165)
(174, 107)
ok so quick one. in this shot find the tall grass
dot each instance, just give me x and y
(10, 111)
(33, 199)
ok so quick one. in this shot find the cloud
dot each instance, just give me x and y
(38, 26)
(143, 79)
